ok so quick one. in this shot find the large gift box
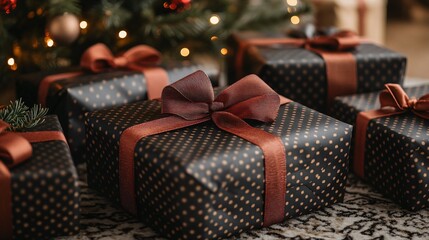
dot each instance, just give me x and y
(391, 143)
(39, 192)
(102, 81)
(197, 170)
(366, 17)
(316, 69)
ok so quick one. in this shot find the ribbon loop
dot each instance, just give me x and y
(14, 149)
(193, 98)
(98, 58)
(395, 96)
(340, 41)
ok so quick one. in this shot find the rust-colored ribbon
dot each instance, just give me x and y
(191, 101)
(15, 148)
(341, 69)
(99, 58)
(393, 100)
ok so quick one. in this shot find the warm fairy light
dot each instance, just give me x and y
(83, 24)
(214, 38)
(184, 52)
(10, 61)
(122, 34)
(224, 51)
(49, 42)
(292, 2)
(214, 19)
(294, 19)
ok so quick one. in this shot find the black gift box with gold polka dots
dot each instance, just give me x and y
(201, 182)
(70, 98)
(301, 75)
(396, 149)
(45, 191)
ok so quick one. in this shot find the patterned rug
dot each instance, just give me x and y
(364, 214)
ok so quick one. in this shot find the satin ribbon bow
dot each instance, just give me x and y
(394, 96)
(14, 149)
(335, 49)
(191, 101)
(393, 101)
(98, 58)
(337, 42)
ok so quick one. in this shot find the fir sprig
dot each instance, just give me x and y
(20, 117)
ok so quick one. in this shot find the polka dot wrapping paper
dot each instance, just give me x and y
(71, 98)
(301, 74)
(396, 149)
(201, 182)
(45, 192)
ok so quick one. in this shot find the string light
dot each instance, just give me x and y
(224, 51)
(12, 64)
(49, 41)
(122, 34)
(294, 19)
(214, 19)
(83, 24)
(292, 3)
(184, 52)
(214, 38)
(10, 61)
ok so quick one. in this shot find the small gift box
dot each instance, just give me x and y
(39, 192)
(102, 81)
(197, 170)
(314, 70)
(391, 141)
(366, 17)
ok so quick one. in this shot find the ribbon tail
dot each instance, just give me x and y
(127, 143)
(275, 162)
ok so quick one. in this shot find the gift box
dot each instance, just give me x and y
(39, 192)
(366, 17)
(196, 170)
(391, 143)
(70, 93)
(314, 70)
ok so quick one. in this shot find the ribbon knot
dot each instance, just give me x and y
(340, 41)
(395, 97)
(99, 58)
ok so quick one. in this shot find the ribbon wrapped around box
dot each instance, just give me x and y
(391, 141)
(102, 80)
(39, 193)
(192, 168)
(313, 70)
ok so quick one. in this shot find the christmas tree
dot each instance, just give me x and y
(38, 35)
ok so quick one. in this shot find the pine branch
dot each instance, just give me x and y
(20, 117)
